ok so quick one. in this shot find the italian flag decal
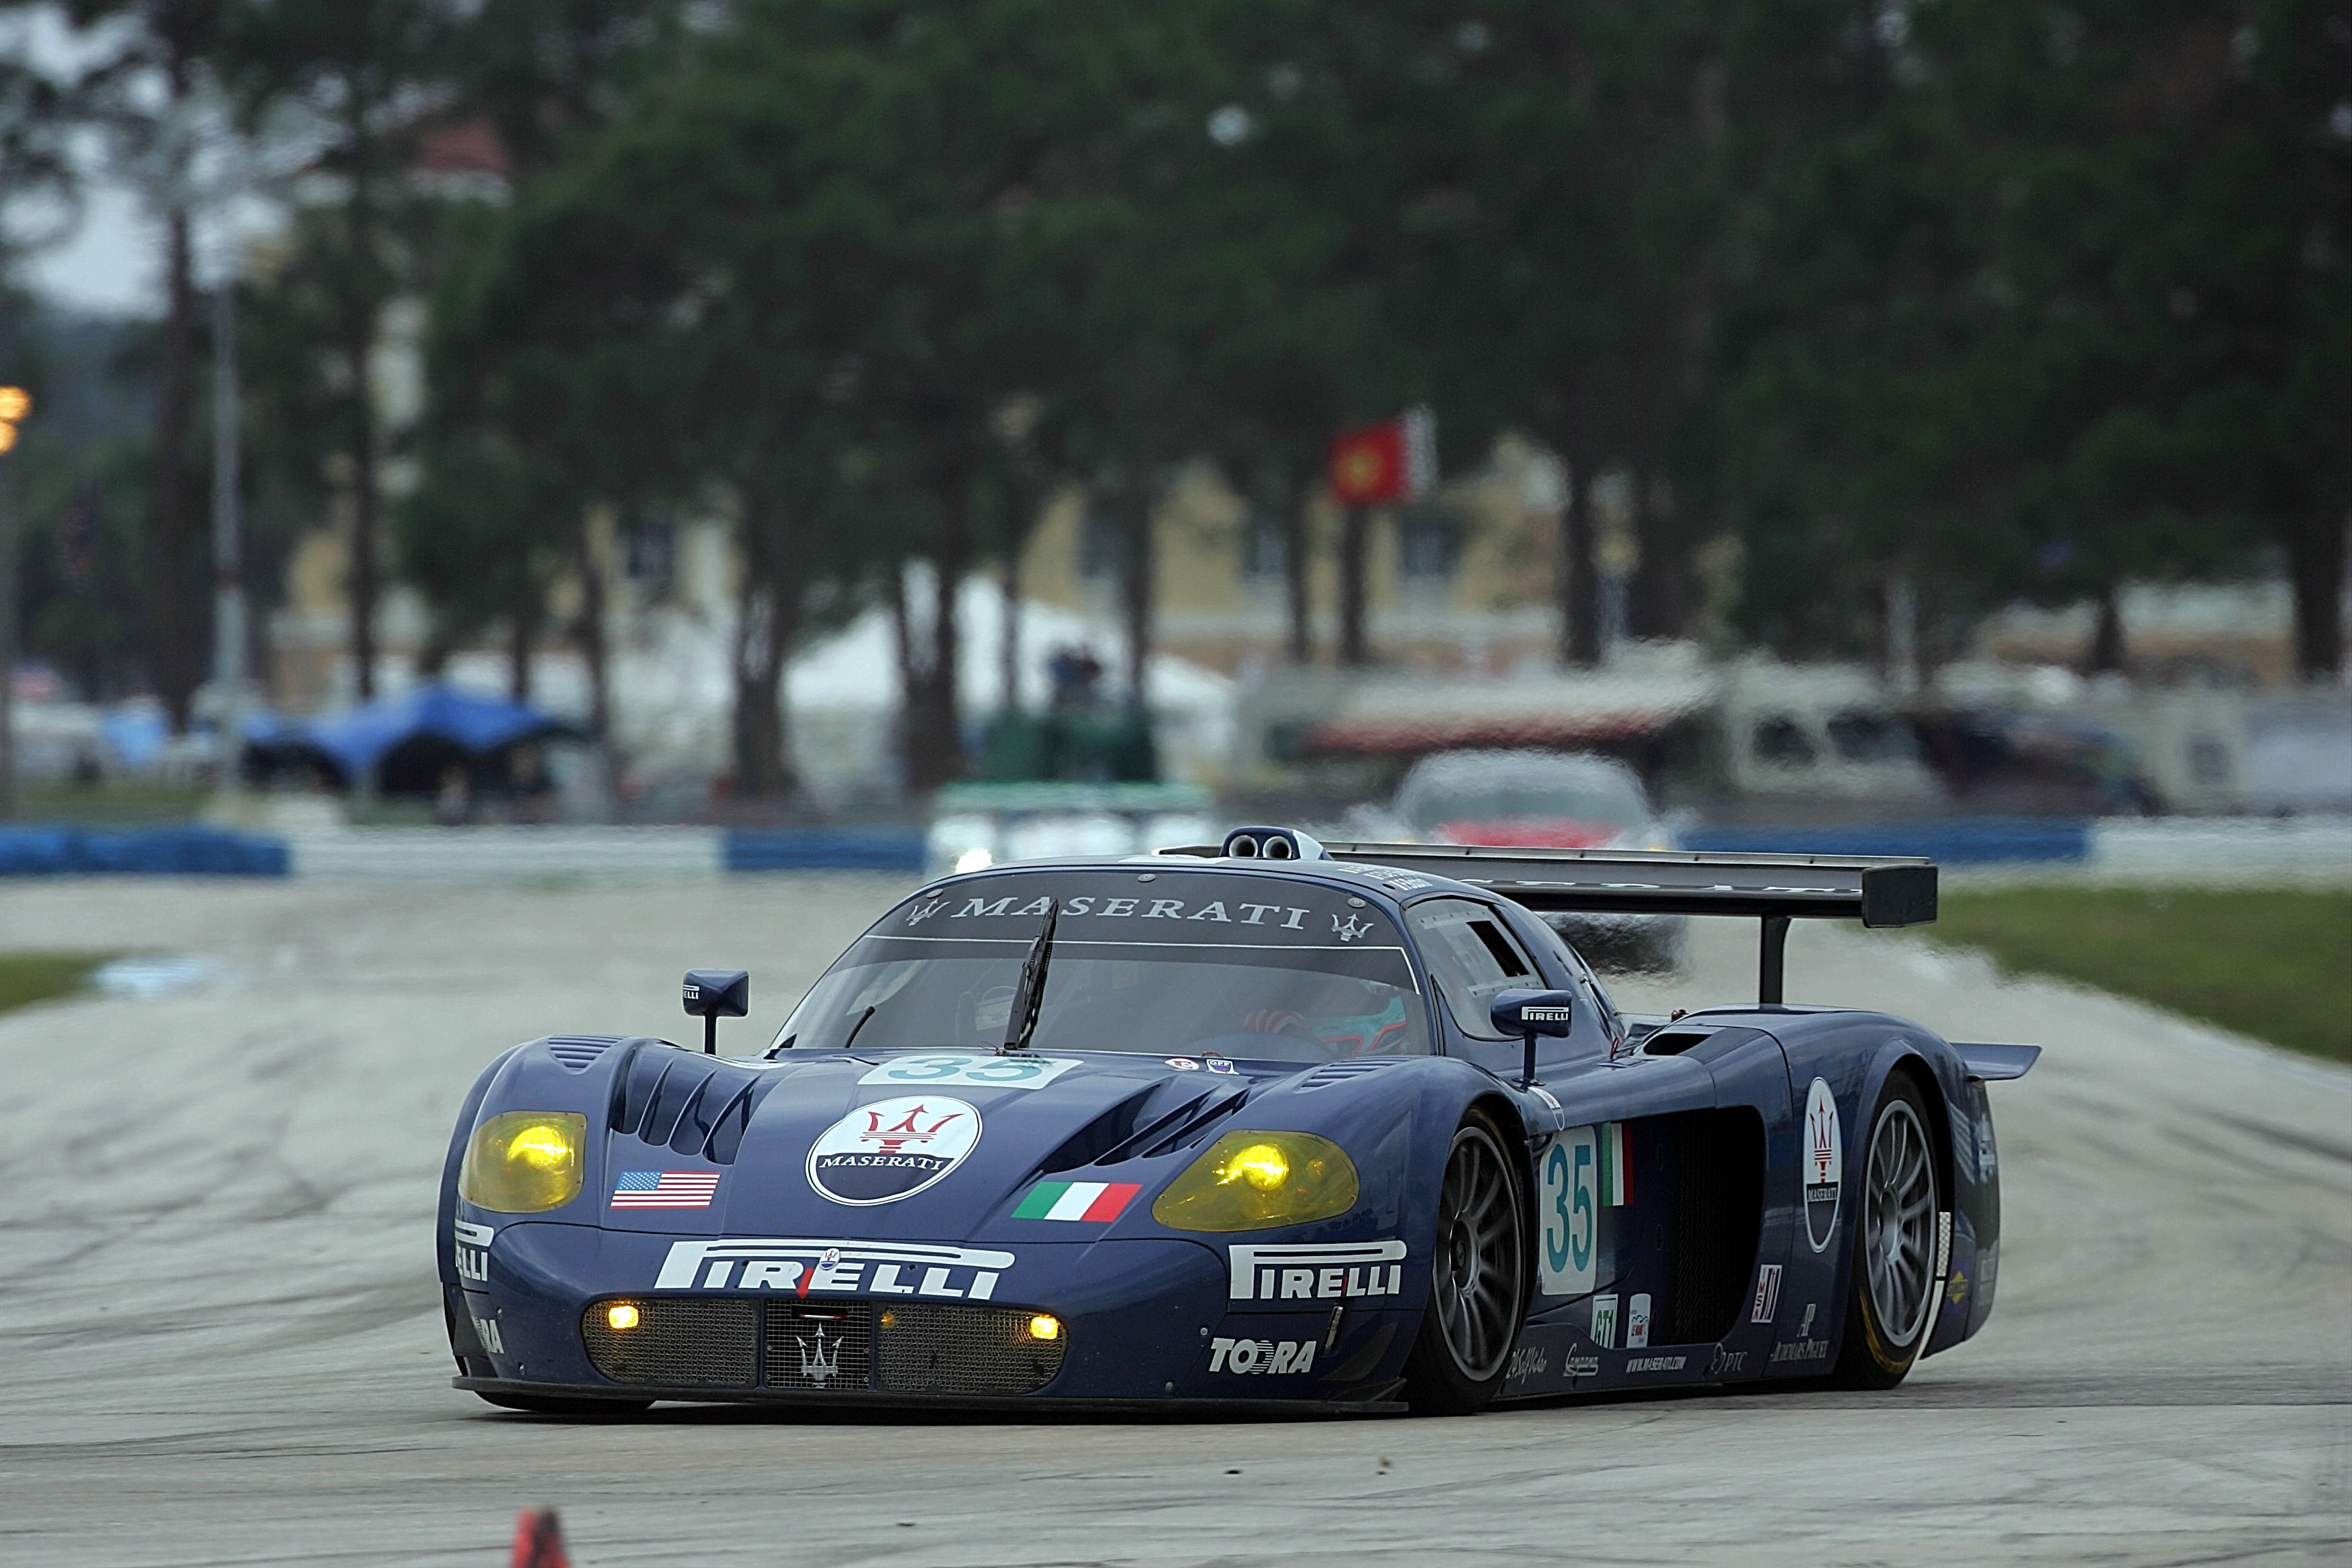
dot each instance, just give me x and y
(1616, 1170)
(1096, 1201)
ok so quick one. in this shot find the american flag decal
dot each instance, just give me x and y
(664, 1189)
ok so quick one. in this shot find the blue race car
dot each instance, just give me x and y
(1271, 1123)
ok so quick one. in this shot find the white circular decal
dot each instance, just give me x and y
(892, 1149)
(1824, 1157)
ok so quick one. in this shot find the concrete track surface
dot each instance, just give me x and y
(220, 1340)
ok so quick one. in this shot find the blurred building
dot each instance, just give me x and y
(2209, 634)
(1459, 582)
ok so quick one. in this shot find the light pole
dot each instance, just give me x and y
(15, 403)
(228, 580)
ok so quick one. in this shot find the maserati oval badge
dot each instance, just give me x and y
(1824, 1165)
(892, 1149)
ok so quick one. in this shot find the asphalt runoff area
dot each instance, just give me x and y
(221, 1342)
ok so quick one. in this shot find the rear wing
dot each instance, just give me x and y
(1877, 891)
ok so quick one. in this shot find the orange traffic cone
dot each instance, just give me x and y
(539, 1541)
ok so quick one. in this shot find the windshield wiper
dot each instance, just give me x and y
(1029, 994)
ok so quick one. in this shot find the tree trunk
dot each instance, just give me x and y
(1355, 550)
(173, 579)
(1008, 635)
(1136, 573)
(1297, 602)
(2315, 554)
(361, 318)
(521, 635)
(1662, 580)
(1900, 651)
(759, 719)
(8, 554)
(931, 656)
(767, 621)
(2108, 634)
(1579, 575)
(593, 649)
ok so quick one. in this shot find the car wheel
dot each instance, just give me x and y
(1477, 1281)
(551, 1405)
(1891, 1297)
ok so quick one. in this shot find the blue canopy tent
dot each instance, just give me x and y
(398, 745)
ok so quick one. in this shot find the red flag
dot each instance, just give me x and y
(1393, 460)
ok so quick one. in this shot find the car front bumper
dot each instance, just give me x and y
(1146, 1321)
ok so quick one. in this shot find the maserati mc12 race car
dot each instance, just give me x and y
(1269, 1123)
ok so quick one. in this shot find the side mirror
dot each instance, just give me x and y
(712, 995)
(1531, 1015)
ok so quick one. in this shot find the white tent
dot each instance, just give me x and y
(673, 694)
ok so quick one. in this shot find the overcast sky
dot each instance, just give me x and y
(111, 259)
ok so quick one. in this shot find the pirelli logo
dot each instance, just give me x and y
(856, 1268)
(1548, 1014)
(1316, 1271)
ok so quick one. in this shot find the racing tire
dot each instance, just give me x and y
(1891, 1291)
(1477, 1279)
(551, 1405)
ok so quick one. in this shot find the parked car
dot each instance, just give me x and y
(1548, 800)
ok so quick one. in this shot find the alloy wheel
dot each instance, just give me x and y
(1476, 1280)
(1898, 1217)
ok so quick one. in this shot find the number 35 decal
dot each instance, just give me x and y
(978, 1071)
(1569, 1264)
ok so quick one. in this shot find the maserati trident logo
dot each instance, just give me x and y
(892, 1149)
(816, 1365)
(1824, 1165)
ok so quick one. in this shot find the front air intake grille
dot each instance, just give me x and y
(813, 1347)
(819, 1345)
(677, 1343)
(962, 1350)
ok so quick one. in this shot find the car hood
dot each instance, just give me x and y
(917, 1145)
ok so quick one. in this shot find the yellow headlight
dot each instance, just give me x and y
(523, 1162)
(1261, 1165)
(1253, 1181)
(623, 1315)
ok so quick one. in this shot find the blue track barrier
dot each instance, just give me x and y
(824, 849)
(181, 850)
(1962, 842)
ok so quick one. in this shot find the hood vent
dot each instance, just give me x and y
(1340, 1071)
(1101, 1140)
(1193, 1124)
(579, 1052)
(691, 1103)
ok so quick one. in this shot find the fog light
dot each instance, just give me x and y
(1044, 1326)
(622, 1315)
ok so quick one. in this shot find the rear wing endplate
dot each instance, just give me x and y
(1877, 891)
(1992, 1064)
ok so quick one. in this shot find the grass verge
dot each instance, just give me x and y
(109, 805)
(29, 977)
(2273, 963)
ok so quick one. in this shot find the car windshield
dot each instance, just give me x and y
(1182, 964)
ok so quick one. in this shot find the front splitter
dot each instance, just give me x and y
(863, 1399)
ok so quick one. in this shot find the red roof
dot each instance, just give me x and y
(463, 147)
